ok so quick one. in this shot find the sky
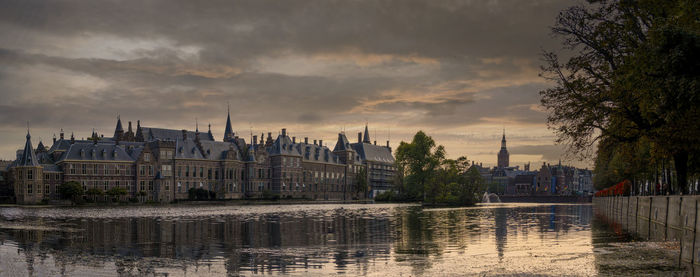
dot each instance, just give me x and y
(461, 71)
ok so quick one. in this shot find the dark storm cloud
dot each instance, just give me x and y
(415, 64)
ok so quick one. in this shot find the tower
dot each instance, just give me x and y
(503, 155)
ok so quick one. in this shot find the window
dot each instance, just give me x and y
(167, 185)
(72, 169)
(209, 174)
(150, 170)
(179, 187)
(30, 174)
(166, 169)
(147, 157)
(150, 185)
(216, 174)
(30, 188)
(201, 172)
(143, 185)
(38, 189)
(142, 170)
(179, 171)
(187, 171)
(84, 169)
(106, 185)
(47, 190)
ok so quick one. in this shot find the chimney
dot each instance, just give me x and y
(54, 137)
(61, 133)
(387, 144)
(375, 142)
(184, 134)
(306, 140)
(255, 140)
(294, 139)
(359, 137)
(314, 142)
(129, 126)
(284, 132)
(320, 142)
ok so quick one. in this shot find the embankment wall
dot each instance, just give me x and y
(659, 218)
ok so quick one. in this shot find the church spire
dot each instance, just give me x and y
(366, 137)
(503, 140)
(228, 133)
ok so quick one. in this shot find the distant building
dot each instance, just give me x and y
(503, 155)
(162, 165)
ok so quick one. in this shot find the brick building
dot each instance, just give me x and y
(163, 165)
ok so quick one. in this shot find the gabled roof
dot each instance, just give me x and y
(316, 153)
(60, 145)
(283, 146)
(187, 149)
(217, 150)
(28, 158)
(375, 153)
(343, 143)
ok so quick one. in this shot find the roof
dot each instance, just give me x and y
(374, 153)
(150, 134)
(51, 168)
(97, 152)
(28, 158)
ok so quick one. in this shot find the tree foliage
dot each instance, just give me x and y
(71, 190)
(631, 82)
(424, 174)
(361, 185)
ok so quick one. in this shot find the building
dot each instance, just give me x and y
(164, 165)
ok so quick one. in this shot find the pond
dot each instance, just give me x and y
(322, 240)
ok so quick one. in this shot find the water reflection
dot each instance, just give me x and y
(298, 240)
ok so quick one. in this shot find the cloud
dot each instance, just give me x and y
(314, 66)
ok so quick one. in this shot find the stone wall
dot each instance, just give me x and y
(672, 218)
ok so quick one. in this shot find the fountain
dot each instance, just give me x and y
(490, 198)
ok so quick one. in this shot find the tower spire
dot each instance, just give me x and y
(366, 137)
(228, 132)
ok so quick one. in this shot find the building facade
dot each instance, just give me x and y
(164, 165)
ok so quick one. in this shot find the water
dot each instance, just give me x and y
(322, 240)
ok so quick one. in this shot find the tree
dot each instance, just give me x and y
(633, 76)
(116, 192)
(71, 190)
(361, 185)
(94, 192)
(418, 160)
